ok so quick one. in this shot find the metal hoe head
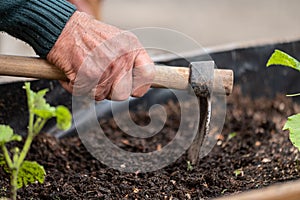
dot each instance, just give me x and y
(201, 80)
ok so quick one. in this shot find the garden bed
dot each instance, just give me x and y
(252, 152)
(259, 155)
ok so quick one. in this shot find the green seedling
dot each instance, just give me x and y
(238, 172)
(231, 136)
(23, 172)
(189, 166)
(293, 122)
(223, 191)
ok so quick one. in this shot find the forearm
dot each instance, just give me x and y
(37, 22)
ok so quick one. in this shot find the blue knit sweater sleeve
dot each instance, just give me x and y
(37, 22)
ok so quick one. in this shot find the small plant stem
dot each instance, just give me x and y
(7, 157)
(28, 141)
(38, 128)
(14, 174)
(30, 134)
(25, 150)
(17, 165)
(14, 184)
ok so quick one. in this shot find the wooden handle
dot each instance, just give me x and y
(165, 76)
(29, 67)
(178, 78)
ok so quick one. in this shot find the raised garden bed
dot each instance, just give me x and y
(252, 152)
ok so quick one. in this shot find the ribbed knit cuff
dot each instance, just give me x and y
(39, 23)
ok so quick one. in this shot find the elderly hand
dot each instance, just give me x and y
(101, 60)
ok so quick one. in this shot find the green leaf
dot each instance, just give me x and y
(293, 125)
(30, 172)
(7, 135)
(40, 101)
(37, 103)
(281, 58)
(42, 109)
(63, 118)
(45, 114)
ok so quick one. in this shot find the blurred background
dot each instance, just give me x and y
(210, 23)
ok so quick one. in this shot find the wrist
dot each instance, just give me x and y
(72, 45)
(38, 22)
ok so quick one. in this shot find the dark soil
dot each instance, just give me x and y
(259, 155)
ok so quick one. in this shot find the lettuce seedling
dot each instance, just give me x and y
(293, 122)
(23, 172)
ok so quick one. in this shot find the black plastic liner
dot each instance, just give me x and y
(248, 64)
(250, 71)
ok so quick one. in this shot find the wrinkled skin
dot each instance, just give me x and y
(101, 60)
